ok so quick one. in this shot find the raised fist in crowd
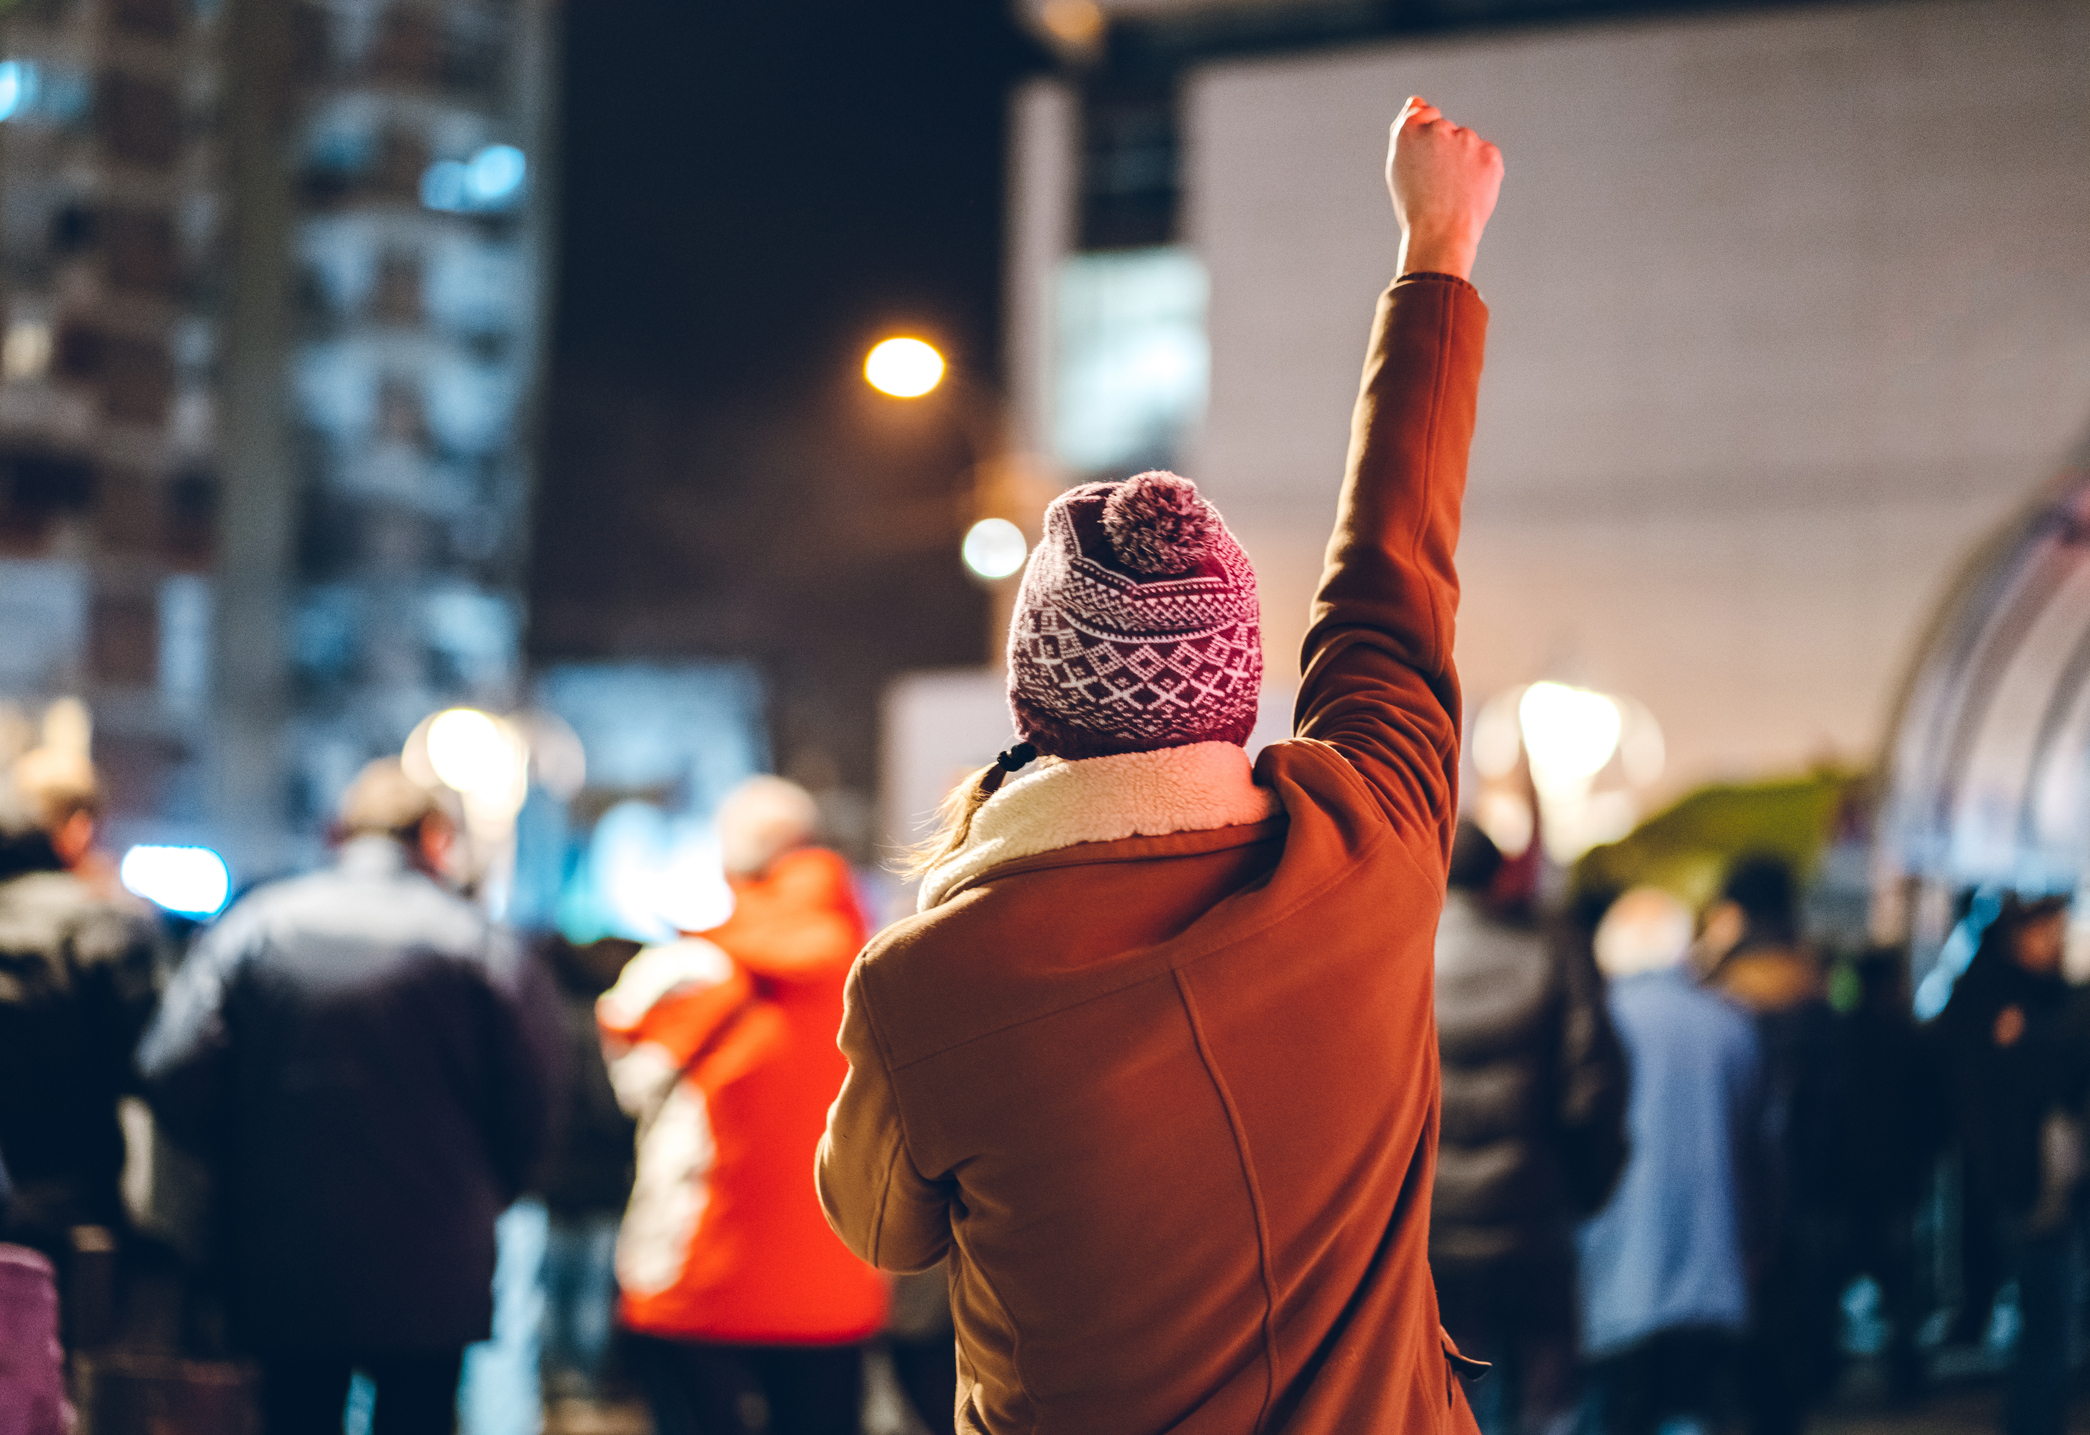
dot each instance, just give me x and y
(1444, 179)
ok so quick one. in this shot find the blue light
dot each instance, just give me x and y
(17, 87)
(497, 172)
(191, 881)
(446, 185)
(490, 179)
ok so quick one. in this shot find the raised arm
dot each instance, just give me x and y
(1377, 671)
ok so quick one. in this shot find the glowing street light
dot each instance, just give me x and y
(903, 368)
(994, 548)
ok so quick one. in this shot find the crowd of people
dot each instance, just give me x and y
(1138, 1124)
(1671, 1145)
(372, 1072)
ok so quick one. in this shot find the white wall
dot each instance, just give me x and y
(1787, 310)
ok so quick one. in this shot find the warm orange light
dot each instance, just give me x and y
(1076, 23)
(904, 368)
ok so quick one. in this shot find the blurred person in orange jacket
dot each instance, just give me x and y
(749, 1313)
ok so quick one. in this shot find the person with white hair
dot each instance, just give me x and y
(746, 1313)
(1665, 1295)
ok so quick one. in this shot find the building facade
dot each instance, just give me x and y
(273, 278)
(1771, 351)
(108, 206)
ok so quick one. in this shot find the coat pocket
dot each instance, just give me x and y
(1464, 1367)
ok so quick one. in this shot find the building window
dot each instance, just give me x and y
(1134, 362)
(1130, 161)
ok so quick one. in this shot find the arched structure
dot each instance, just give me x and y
(1988, 765)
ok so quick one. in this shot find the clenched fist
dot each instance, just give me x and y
(1444, 181)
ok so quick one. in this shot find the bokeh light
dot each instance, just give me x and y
(492, 179)
(17, 87)
(475, 754)
(496, 172)
(1569, 733)
(190, 881)
(994, 548)
(1076, 23)
(904, 368)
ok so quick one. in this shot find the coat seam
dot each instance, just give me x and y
(904, 1146)
(1440, 377)
(1008, 1318)
(1255, 1196)
(885, 1196)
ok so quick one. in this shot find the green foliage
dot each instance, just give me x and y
(1687, 848)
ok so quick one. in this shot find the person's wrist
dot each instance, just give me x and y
(1438, 250)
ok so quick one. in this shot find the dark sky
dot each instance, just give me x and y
(752, 192)
(749, 188)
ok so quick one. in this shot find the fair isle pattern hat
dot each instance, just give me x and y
(1137, 626)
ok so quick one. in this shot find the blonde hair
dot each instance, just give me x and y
(58, 784)
(954, 817)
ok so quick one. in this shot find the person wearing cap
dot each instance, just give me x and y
(2007, 1033)
(365, 1059)
(739, 1300)
(1155, 1064)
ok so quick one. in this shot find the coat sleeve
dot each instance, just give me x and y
(878, 1203)
(1377, 678)
(185, 1056)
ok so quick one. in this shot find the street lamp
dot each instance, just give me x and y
(903, 368)
(1008, 492)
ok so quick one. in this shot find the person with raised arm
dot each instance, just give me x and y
(1155, 1064)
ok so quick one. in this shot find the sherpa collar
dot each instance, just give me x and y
(1105, 799)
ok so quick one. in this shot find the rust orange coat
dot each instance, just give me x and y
(1170, 1101)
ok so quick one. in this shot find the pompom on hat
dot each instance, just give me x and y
(1136, 627)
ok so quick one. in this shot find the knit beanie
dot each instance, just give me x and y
(1136, 627)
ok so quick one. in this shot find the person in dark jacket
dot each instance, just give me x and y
(586, 1178)
(77, 984)
(1533, 1139)
(2005, 1028)
(1893, 1123)
(1753, 933)
(366, 1060)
